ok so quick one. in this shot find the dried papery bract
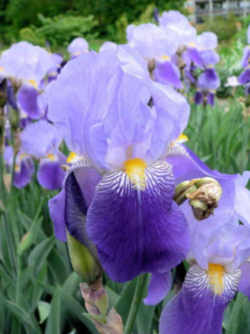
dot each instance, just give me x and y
(96, 302)
(203, 195)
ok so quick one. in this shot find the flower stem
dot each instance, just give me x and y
(139, 292)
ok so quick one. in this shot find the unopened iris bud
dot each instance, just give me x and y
(83, 262)
(203, 194)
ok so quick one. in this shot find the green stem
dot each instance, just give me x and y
(139, 292)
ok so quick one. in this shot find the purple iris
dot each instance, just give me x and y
(41, 140)
(28, 66)
(121, 125)
(211, 281)
(154, 44)
(233, 205)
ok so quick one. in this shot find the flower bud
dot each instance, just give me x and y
(83, 262)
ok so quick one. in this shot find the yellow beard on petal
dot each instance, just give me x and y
(216, 277)
(33, 83)
(166, 58)
(182, 138)
(135, 170)
(71, 157)
(51, 157)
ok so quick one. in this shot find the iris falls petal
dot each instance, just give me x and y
(197, 308)
(136, 226)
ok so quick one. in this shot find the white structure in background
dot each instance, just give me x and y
(199, 9)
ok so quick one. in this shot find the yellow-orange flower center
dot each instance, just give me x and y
(33, 83)
(216, 277)
(135, 170)
(71, 157)
(166, 58)
(51, 157)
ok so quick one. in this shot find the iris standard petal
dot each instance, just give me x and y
(40, 138)
(158, 288)
(50, 174)
(197, 309)
(135, 230)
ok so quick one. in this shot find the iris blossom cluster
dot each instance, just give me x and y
(177, 55)
(28, 70)
(120, 195)
(107, 130)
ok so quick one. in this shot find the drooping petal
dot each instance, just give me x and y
(27, 101)
(159, 287)
(244, 78)
(246, 57)
(209, 80)
(196, 309)
(50, 174)
(198, 97)
(168, 73)
(195, 56)
(210, 98)
(136, 230)
(24, 175)
(56, 210)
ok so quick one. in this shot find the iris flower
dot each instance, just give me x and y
(28, 66)
(120, 125)
(41, 140)
(232, 206)
(211, 281)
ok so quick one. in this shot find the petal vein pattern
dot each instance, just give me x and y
(137, 230)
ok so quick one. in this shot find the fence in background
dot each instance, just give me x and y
(201, 9)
